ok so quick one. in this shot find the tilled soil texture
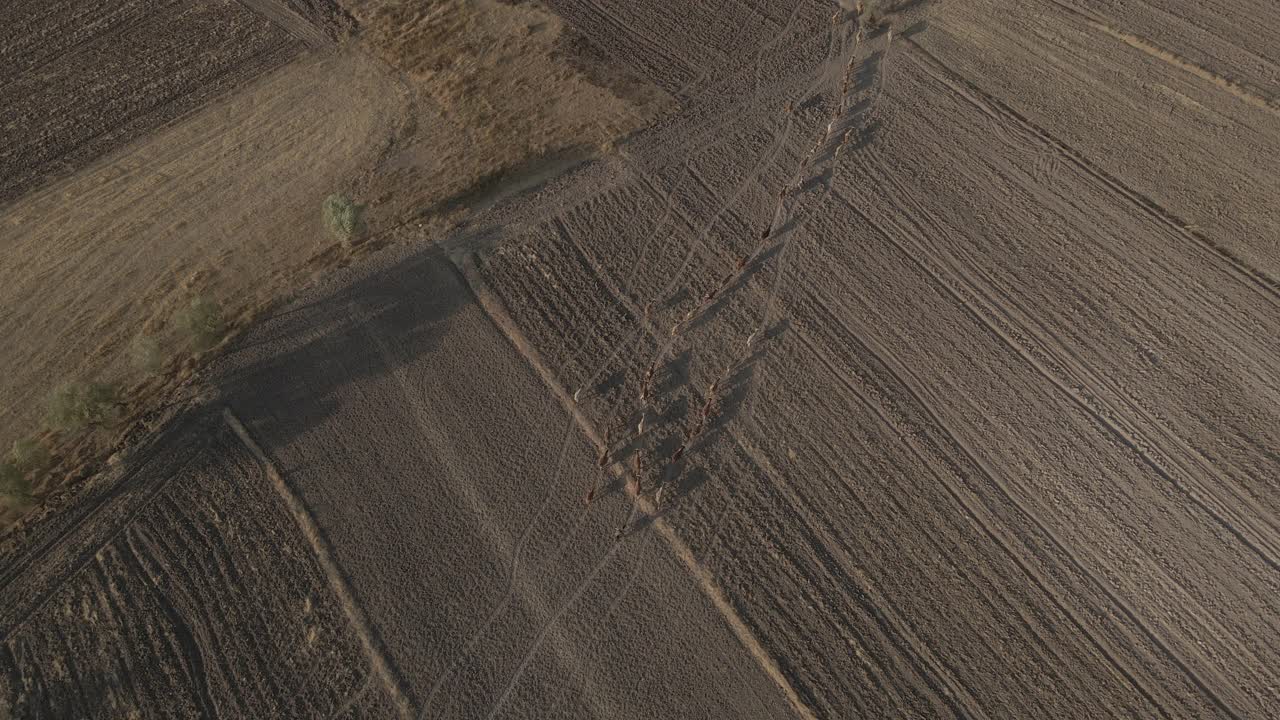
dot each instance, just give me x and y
(82, 78)
(225, 202)
(451, 485)
(184, 590)
(945, 388)
(988, 334)
(224, 205)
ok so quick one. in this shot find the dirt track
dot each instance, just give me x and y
(199, 186)
(997, 392)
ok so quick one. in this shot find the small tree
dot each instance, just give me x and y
(13, 483)
(146, 355)
(201, 322)
(343, 218)
(76, 406)
(29, 456)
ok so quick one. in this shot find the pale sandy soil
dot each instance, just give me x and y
(223, 204)
(199, 598)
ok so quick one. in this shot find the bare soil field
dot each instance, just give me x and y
(82, 78)
(445, 572)
(224, 202)
(184, 589)
(1007, 426)
(928, 369)
(450, 483)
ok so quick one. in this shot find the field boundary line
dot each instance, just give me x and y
(1137, 42)
(497, 313)
(373, 650)
(279, 14)
(1000, 111)
(117, 492)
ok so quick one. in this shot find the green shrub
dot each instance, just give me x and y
(13, 482)
(76, 406)
(343, 218)
(29, 456)
(146, 354)
(201, 322)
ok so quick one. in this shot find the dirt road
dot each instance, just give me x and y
(982, 310)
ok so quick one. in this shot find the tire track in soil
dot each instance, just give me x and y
(122, 491)
(753, 172)
(373, 647)
(879, 606)
(950, 447)
(598, 271)
(1001, 113)
(66, 655)
(192, 650)
(1066, 359)
(1062, 362)
(508, 593)
(117, 610)
(649, 43)
(852, 122)
(178, 530)
(756, 169)
(938, 680)
(353, 698)
(603, 618)
(190, 592)
(1226, 84)
(830, 66)
(1213, 629)
(20, 648)
(255, 544)
(864, 399)
(547, 627)
(473, 501)
(24, 558)
(673, 150)
(123, 648)
(278, 13)
(706, 582)
(1262, 541)
(942, 532)
(990, 474)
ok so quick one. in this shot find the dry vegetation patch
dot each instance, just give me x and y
(497, 89)
(402, 126)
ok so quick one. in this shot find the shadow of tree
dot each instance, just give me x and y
(287, 372)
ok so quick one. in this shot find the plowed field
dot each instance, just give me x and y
(923, 370)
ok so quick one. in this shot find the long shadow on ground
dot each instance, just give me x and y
(289, 369)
